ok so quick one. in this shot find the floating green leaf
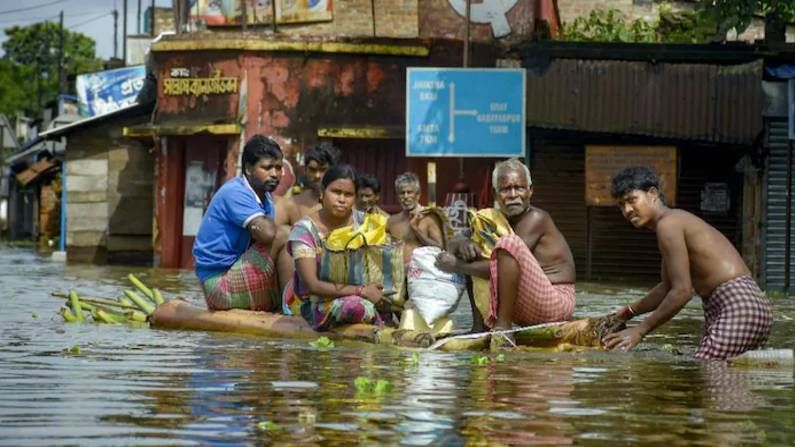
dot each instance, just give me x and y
(322, 343)
(268, 426)
(74, 350)
(365, 385)
(480, 360)
(671, 349)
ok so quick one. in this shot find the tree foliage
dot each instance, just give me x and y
(608, 26)
(12, 96)
(737, 14)
(31, 59)
(705, 21)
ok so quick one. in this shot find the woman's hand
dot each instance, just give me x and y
(373, 292)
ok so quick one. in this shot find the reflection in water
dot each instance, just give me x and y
(514, 403)
(131, 386)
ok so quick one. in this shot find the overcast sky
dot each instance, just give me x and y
(90, 17)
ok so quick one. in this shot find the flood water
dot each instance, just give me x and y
(138, 386)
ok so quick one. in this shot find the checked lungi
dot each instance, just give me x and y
(538, 300)
(250, 283)
(737, 318)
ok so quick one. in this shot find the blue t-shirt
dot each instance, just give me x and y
(223, 236)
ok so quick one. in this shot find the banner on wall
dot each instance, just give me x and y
(230, 12)
(107, 91)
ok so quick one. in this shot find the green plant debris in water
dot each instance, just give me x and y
(74, 350)
(35, 315)
(671, 349)
(365, 385)
(322, 343)
(484, 359)
(480, 360)
(268, 426)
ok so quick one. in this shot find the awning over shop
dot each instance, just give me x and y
(376, 133)
(36, 170)
(711, 94)
(181, 128)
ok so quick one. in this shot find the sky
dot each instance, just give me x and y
(90, 17)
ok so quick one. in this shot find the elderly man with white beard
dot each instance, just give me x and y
(526, 260)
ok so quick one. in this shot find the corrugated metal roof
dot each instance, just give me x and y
(714, 103)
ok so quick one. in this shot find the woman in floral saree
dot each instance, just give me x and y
(324, 304)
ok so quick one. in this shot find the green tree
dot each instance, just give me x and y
(737, 14)
(12, 96)
(33, 51)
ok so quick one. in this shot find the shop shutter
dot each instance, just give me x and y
(775, 203)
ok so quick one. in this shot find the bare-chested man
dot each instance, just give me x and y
(368, 195)
(317, 160)
(411, 225)
(695, 256)
(531, 270)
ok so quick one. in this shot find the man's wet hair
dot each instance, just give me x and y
(511, 164)
(635, 177)
(407, 178)
(337, 172)
(370, 181)
(323, 153)
(259, 147)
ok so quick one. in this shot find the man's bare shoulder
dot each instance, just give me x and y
(679, 219)
(306, 198)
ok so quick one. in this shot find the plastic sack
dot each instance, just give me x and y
(372, 231)
(488, 226)
(364, 254)
(433, 292)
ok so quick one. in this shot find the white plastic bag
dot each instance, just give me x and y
(433, 292)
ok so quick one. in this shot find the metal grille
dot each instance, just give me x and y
(775, 202)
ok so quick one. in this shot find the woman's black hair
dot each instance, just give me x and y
(341, 171)
(258, 147)
(635, 177)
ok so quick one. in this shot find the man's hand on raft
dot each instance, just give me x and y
(624, 340)
(446, 262)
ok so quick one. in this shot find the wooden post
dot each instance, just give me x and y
(431, 183)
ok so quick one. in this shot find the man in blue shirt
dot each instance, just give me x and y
(236, 236)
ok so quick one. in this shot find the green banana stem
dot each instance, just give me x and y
(101, 316)
(74, 302)
(68, 316)
(141, 286)
(108, 303)
(140, 301)
(158, 297)
(135, 315)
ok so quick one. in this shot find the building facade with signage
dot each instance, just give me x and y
(693, 112)
(331, 71)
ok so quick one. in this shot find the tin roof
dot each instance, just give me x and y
(692, 101)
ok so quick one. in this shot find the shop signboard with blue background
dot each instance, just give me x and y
(105, 91)
(465, 112)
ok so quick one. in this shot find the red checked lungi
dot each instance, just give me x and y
(250, 283)
(737, 318)
(538, 300)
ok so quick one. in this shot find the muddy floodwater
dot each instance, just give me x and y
(90, 384)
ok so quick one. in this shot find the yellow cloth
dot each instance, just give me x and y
(372, 231)
(488, 226)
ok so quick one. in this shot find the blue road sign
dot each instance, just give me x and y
(465, 112)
